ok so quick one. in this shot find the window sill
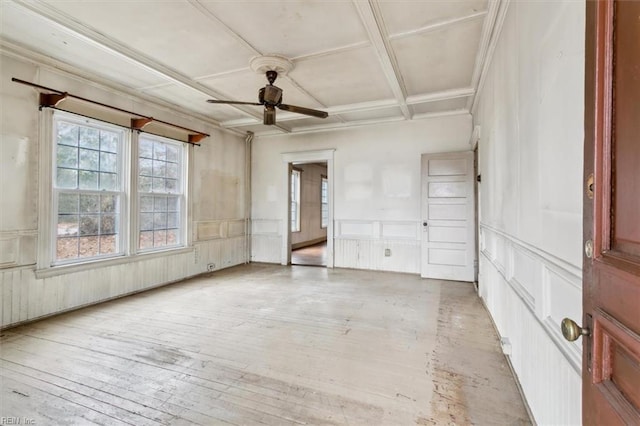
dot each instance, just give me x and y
(101, 263)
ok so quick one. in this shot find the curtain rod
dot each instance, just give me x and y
(136, 124)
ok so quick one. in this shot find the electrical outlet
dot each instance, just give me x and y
(211, 267)
(506, 346)
(387, 252)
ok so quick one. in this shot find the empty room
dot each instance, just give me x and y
(301, 212)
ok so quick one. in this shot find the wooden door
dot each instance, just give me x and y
(611, 283)
(448, 234)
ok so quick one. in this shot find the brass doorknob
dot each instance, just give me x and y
(571, 331)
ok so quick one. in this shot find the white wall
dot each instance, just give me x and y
(376, 186)
(310, 205)
(531, 138)
(217, 207)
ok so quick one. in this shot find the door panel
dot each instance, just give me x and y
(448, 237)
(626, 119)
(611, 282)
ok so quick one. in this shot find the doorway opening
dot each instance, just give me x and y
(309, 200)
(307, 217)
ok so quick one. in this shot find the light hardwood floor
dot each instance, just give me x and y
(266, 344)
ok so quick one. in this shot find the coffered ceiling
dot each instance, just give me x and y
(361, 61)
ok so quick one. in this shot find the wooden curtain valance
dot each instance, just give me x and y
(51, 98)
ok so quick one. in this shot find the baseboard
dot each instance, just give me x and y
(513, 371)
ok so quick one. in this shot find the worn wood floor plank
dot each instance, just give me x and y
(265, 344)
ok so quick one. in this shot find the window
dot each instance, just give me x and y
(96, 202)
(161, 193)
(295, 201)
(324, 202)
(88, 190)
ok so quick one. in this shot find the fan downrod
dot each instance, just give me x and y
(271, 76)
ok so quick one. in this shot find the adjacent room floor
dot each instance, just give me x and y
(267, 344)
(315, 255)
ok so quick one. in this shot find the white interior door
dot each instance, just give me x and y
(448, 234)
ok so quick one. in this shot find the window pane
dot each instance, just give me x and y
(146, 221)
(67, 225)
(159, 238)
(159, 151)
(172, 170)
(108, 162)
(67, 156)
(89, 203)
(109, 181)
(89, 224)
(67, 134)
(160, 204)
(158, 185)
(89, 246)
(108, 203)
(67, 178)
(145, 184)
(172, 220)
(146, 204)
(89, 159)
(173, 237)
(159, 221)
(88, 180)
(67, 248)
(108, 141)
(159, 168)
(146, 167)
(108, 224)
(68, 203)
(171, 185)
(107, 244)
(146, 240)
(172, 153)
(173, 204)
(146, 148)
(89, 137)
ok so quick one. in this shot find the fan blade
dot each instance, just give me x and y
(305, 111)
(215, 101)
(269, 115)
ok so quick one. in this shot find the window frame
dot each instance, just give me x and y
(297, 176)
(324, 201)
(182, 194)
(55, 191)
(46, 264)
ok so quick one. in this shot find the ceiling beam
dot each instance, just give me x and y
(490, 33)
(332, 51)
(440, 96)
(450, 113)
(372, 19)
(100, 40)
(209, 14)
(438, 25)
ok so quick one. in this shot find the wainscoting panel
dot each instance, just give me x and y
(378, 245)
(214, 229)
(266, 240)
(17, 248)
(266, 248)
(528, 292)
